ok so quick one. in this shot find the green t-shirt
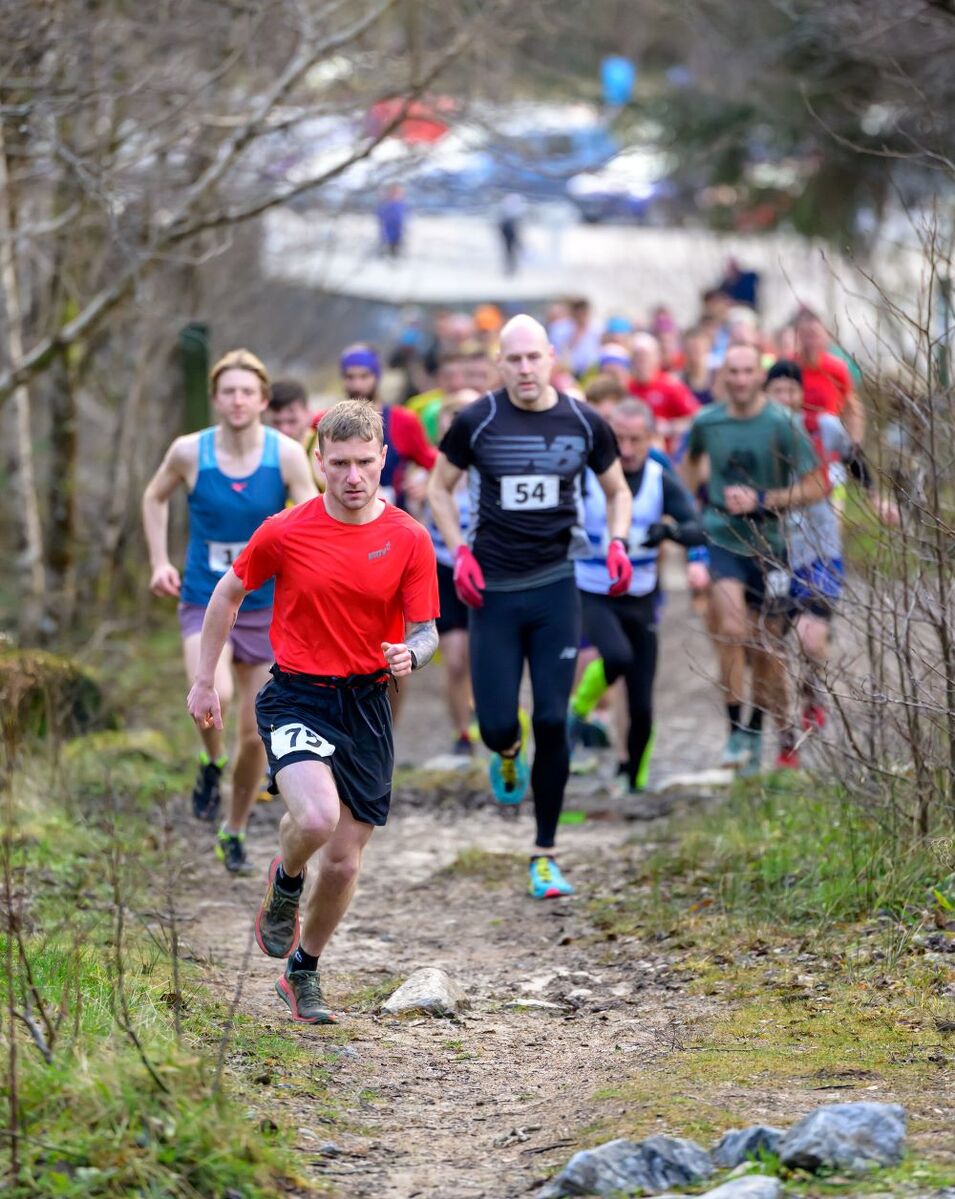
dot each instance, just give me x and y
(765, 451)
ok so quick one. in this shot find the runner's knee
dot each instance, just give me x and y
(339, 870)
(316, 820)
(499, 737)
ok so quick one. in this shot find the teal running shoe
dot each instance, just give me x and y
(509, 777)
(751, 765)
(546, 880)
(737, 749)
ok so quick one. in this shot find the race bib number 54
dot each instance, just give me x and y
(526, 493)
(298, 738)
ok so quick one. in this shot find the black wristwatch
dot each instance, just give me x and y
(414, 659)
(623, 541)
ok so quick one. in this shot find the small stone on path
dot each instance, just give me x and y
(429, 990)
(846, 1136)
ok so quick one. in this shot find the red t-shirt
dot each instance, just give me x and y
(340, 589)
(668, 398)
(826, 384)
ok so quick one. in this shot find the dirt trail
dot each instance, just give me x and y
(486, 1105)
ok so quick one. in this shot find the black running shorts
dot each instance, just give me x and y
(454, 612)
(347, 727)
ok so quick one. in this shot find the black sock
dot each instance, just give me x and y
(291, 884)
(624, 769)
(300, 960)
(756, 720)
(735, 713)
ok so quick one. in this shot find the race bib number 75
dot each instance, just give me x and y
(296, 738)
(525, 493)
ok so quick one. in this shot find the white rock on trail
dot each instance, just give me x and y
(428, 990)
(755, 1186)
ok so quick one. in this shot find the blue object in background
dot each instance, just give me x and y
(618, 76)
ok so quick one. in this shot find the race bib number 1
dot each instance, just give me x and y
(525, 493)
(223, 553)
(295, 738)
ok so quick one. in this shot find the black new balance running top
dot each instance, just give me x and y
(524, 472)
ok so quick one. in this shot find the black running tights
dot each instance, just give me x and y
(540, 625)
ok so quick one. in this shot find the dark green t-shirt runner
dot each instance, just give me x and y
(766, 451)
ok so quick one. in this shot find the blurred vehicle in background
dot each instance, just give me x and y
(633, 186)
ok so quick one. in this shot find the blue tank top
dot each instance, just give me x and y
(223, 515)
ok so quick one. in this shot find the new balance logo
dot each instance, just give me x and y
(569, 651)
(379, 553)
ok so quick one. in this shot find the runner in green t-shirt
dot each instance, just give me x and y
(756, 462)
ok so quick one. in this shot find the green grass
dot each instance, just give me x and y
(491, 868)
(104, 1117)
(781, 852)
(797, 922)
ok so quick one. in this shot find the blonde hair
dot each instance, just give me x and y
(241, 360)
(350, 418)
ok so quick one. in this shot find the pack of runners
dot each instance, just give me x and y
(513, 504)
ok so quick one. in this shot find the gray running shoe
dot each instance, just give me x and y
(276, 925)
(302, 991)
(230, 850)
(207, 793)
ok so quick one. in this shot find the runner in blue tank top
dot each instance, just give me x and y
(236, 474)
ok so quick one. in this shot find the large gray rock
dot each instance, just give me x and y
(846, 1136)
(739, 1144)
(651, 1166)
(754, 1186)
(428, 990)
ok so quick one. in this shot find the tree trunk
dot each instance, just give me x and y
(61, 493)
(33, 596)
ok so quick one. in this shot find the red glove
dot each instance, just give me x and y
(468, 579)
(620, 568)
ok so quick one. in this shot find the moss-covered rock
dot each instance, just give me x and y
(138, 762)
(44, 694)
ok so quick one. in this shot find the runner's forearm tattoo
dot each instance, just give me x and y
(422, 639)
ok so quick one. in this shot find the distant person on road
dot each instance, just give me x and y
(740, 285)
(339, 634)
(510, 213)
(524, 448)
(758, 465)
(392, 217)
(236, 474)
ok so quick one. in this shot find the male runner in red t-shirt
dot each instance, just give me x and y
(339, 633)
(670, 400)
(826, 382)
